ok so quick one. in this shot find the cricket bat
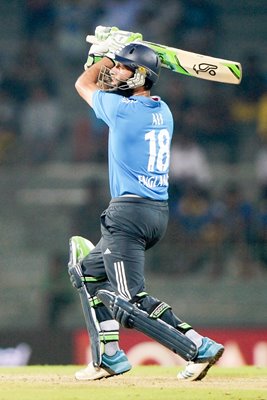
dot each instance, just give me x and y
(193, 64)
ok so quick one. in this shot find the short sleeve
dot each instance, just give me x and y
(105, 106)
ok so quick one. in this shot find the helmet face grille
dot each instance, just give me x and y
(104, 78)
(105, 81)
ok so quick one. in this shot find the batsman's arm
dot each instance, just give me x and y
(86, 84)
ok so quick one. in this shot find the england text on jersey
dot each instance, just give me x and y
(153, 181)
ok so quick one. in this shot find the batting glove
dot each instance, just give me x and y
(99, 50)
(110, 40)
(117, 40)
(96, 52)
(103, 32)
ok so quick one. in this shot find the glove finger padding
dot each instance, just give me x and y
(119, 39)
(103, 32)
(99, 49)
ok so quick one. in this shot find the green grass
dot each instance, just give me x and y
(148, 383)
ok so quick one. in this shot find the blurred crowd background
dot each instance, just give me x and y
(53, 169)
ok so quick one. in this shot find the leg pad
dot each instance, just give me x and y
(130, 316)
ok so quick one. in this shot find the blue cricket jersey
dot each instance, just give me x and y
(140, 133)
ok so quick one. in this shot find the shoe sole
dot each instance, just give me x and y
(211, 363)
(98, 378)
(117, 374)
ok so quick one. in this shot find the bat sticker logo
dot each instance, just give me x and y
(203, 67)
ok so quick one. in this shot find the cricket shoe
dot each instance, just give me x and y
(110, 366)
(208, 354)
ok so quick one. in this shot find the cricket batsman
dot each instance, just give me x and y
(117, 82)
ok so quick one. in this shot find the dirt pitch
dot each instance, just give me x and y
(28, 383)
(244, 383)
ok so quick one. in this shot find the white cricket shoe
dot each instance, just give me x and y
(192, 371)
(91, 373)
(208, 354)
(112, 365)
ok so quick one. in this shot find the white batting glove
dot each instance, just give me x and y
(117, 40)
(103, 32)
(96, 52)
(110, 40)
(99, 50)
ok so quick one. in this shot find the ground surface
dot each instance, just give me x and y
(26, 383)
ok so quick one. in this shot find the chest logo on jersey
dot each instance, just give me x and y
(157, 119)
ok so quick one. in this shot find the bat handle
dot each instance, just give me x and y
(91, 39)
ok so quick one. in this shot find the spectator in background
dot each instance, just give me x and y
(215, 128)
(238, 216)
(261, 138)
(261, 181)
(261, 245)
(214, 239)
(189, 220)
(189, 165)
(252, 87)
(41, 124)
(178, 98)
(261, 118)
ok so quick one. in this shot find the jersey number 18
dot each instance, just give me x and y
(159, 150)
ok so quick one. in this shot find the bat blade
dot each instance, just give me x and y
(198, 65)
(192, 64)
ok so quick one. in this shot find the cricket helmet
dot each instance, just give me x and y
(136, 55)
